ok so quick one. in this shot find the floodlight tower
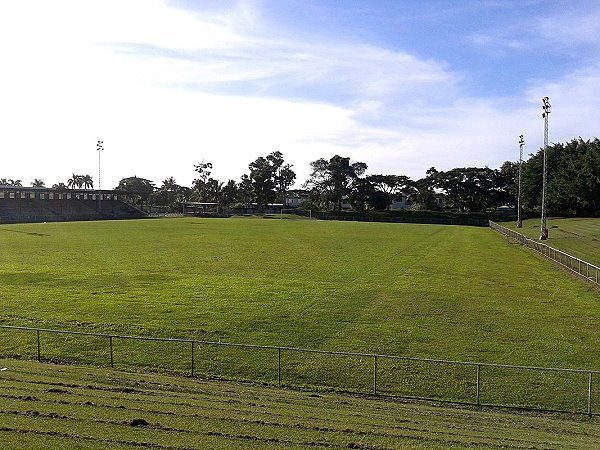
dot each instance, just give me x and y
(547, 110)
(519, 218)
(99, 148)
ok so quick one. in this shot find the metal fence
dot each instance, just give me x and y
(544, 388)
(431, 219)
(583, 268)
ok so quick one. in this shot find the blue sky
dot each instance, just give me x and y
(400, 85)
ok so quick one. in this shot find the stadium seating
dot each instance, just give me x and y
(36, 210)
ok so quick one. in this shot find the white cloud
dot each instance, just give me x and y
(120, 71)
(574, 100)
(165, 88)
(562, 28)
(575, 26)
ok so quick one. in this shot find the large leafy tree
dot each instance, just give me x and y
(270, 178)
(421, 194)
(507, 183)
(229, 194)
(263, 184)
(387, 188)
(202, 185)
(283, 174)
(224, 194)
(209, 189)
(531, 192)
(468, 188)
(573, 178)
(140, 188)
(245, 193)
(334, 179)
(575, 185)
(170, 194)
(364, 196)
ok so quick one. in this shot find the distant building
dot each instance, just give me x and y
(293, 199)
(400, 202)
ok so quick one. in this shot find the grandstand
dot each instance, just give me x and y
(39, 204)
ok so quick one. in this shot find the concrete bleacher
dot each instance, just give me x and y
(18, 210)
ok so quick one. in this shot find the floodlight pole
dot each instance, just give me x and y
(519, 218)
(99, 147)
(543, 228)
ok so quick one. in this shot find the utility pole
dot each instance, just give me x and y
(519, 218)
(547, 109)
(99, 147)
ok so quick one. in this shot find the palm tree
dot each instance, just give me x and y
(76, 181)
(87, 181)
(38, 183)
(60, 186)
(169, 184)
(10, 182)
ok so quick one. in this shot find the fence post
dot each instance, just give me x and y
(587, 269)
(192, 358)
(478, 385)
(38, 346)
(375, 375)
(590, 394)
(111, 351)
(278, 366)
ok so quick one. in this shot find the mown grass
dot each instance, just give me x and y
(579, 237)
(46, 406)
(429, 291)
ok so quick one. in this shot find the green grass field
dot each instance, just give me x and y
(579, 237)
(448, 292)
(45, 406)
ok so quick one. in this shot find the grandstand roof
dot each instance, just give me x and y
(9, 188)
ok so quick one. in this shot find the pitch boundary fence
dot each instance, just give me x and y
(476, 380)
(588, 271)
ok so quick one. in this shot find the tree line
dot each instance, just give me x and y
(75, 182)
(573, 185)
(268, 180)
(573, 178)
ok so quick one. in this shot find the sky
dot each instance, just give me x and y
(402, 85)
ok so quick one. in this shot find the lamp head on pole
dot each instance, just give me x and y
(546, 107)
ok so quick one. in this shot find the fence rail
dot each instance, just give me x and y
(468, 382)
(409, 218)
(579, 266)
